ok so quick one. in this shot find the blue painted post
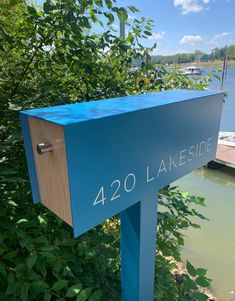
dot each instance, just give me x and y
(138, 250)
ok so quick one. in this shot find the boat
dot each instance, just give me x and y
(192, 70)
(225, 153)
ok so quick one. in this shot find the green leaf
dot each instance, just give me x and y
(217, 76)
(148, 33)
(11, 288)
(47, 7)
(40, 285)
(2, 270)
(47, 296)
(69, 242)
(191, 270)
(24, 293)
(14, 107)
(99, 2)
(93, 17)
(84, 294)
(14, 2)
(23, 220)
(203, 281)
(32, 11)
(108, 4)
(31, 260)
(59, 285)
(184, 194)
(130, 37)
(42, 220)
(199, 296)
(74, 290)
(188, 282)
(96, 296)
(133, 9)
(201, 272)
(121, 12)
(196, 226)
(148, 27)
(110, 17)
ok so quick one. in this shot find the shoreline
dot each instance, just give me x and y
(180, 270)
(214, 64)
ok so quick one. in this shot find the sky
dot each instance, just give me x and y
(183, 26)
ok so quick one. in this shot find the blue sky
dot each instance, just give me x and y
(187, 25)
(183, 26)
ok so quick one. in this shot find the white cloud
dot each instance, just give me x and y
(222, 35)
(188, 6)
(218, 37)
(156, 36)
(191, 6)
(190, 39)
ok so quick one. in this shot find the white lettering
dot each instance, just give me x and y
(202, 148)
(182, 157)
(162, 167)
(172, 162)
(115, 195)
(168, 164)
(196, 151)
(133, 183)
(209, 143)
(191, 153)
(148, 177)
(102, 199)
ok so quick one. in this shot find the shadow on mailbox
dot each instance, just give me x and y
(90, 161)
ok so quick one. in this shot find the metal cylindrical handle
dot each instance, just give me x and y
(43, 148)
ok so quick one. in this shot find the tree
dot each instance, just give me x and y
(198, 53)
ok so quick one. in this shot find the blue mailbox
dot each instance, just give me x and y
(92, 160)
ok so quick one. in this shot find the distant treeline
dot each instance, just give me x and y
(197, 56)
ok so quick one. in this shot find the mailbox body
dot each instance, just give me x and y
(109, 155)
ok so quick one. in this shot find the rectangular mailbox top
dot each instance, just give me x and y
(80, 112)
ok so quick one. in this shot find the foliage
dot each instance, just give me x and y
(197, 56)
(177, 209)
(68, 52)
(221, 53)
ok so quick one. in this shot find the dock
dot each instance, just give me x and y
(225, 153)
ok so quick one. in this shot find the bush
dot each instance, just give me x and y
(52, 56)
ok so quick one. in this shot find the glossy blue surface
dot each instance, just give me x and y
(30, 158)
(101, 151)
(138, 249)
(85, 111)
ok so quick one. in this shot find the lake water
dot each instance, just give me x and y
(213, 246)
(228, 116)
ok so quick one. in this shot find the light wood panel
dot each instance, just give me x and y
(51, 168)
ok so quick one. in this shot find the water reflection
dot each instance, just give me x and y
(228, 121)
(224, 176)
(213, 246)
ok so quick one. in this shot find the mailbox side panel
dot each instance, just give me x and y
(30, 157)
(114, 162)
(51, 167)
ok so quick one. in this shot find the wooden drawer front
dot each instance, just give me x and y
(51, 167)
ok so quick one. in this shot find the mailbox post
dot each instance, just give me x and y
(90, 161)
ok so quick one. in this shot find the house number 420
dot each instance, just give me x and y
(128, 185)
